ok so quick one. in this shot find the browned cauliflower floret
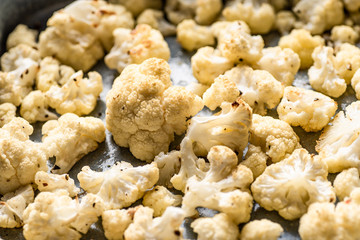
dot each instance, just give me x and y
(255, 160)
(7, 113)
(344, 34)
(136, 46)
(284, 22)
(347, 61)
(144, 110)
(155, 19)
(21, 35)
(70, 138)
(346, 182)
(261, 230)
(137, 6)
(291, 185)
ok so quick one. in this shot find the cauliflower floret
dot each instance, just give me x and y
(197, 88)
(137, 6)
(283, 64)
(34, 108)
(318, 16)
(21, 35)
(255, 160)
(70, 138)
(347, 61)
(159, 199)
(156, 20)
(302, 43)
(261, 230)
(7, 113)
(166, 227)
(222, 188)
(207, 10)
(236, 44)
(48, 182)
(306, 108)
(259, 15)
(219, 227)
(207, 64)
(355, 83)
(144, 110)
(291, 185)
(219, 27)
(344, 34)
(339, 144)
(136, 46)
(54, 215)
(352, 5)
(12, 88)
(323, 76)
(121, 185)
(20, 157)
(345, 182)
(78, 95)
(258, 88)
(192, 36)
(284, 22)
(169, 165)
(12, 206)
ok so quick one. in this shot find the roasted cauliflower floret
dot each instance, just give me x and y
(192, 36)
(78, 94)
(302, 43)
(70, 138)
(347, 61)
(352, 5)
(306, 108)
(291, 185)
(344, 34)
(218, 28)
(255, 160)
(20, 157)
(121, 185)
(136, 46)
(137, 6)
(345, 182)
(34, 107)
(259, 15)
(261, 230)
(21, 35)
(323, 76)
(355, 83)
(144, 110)
(12, 206)
(219, 227)
(159, 199)
(283, 64)
(284, 22)
(169, 165)
(339, 143)
(48, 182)
(7, 113)
(155, 19)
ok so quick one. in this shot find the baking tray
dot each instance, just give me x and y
(35, 13)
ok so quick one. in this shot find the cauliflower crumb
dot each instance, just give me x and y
(355, 83)
(7, 113)
(159, 199)
(347, 61)
(306, 108)
(255, 160)
(284, 22)
(70, 138)
(137, 6)
(302, 43)
(156, 20)
(344, 34)
(21, 35)
(345, 182)
(263, 229)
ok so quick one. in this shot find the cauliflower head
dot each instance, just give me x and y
(144, 110)
(121, 185)
(284, 22)
(339, 143)
(302, 43)
(21, 35)
(306, 108)
(70, 138)
(345, 182)
(323, 76)
(135, 46)
(155, 19)
(7, 113)
(347, 61)
(263, 229)
(291, 185)
(255, 160)
(344, 34)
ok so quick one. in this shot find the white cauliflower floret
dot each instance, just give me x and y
(166, 227)
(192, 36)
(219, 227)
(339, 144)
(291, 185)
(12, 88)
(259, 15)
(219, 28)
(121, 185)
(20, 157)
(318, 16)
(34, 107)
(345, 182)
(258, 88)
(169, 165)
(48, 182)
(352, 5)
(134, 47)
(347, 61)
(7, 113)
(70, 138)
(323, 76)
(156, 20)
(144, 110)
(21, 35)
(306, 108)
(236, 44)
(355, 83)
(263, 229)
(12, 206)
(54, 215)
(302, 43)
(283, 64)
(137, 6)
(207, 11)
(284, 22)
(223, 187)
(255, 160)
(344, 34)
(159, 199)
(78, 94)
